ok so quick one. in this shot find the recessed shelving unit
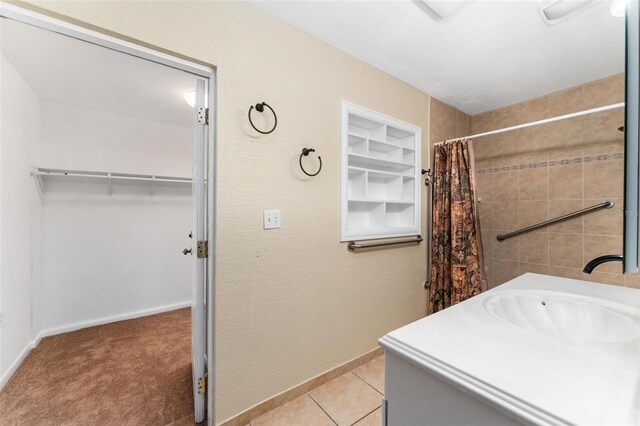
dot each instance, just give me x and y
(380, 171)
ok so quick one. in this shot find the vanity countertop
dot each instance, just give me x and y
(533, 377)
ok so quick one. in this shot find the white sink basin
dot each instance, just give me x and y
(566, 316)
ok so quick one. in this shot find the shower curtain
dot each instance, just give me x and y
(457, 264)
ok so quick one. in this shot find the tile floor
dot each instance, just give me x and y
(355, 398)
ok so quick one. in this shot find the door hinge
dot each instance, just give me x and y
(202, 385)
(203, 249)
(203, 115)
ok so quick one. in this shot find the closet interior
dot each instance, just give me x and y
(97, 158)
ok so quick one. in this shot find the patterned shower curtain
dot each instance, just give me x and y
(457, 264)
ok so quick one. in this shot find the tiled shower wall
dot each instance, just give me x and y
(446, 122)
(533, 174)
(538, 173)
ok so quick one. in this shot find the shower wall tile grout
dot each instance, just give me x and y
(542, 172)
(580, 163)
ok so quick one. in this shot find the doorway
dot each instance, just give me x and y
(107, 217)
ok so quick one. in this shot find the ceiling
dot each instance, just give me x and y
(487, 55)
(63, 69)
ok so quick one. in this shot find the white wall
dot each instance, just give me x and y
(90, 139)
(110, 255)
(79, 256)
(19, 112)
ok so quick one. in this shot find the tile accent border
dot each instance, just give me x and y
(554, 163)
(297, 391)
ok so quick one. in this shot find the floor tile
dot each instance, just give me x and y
(373, 373)
(373, 419)
(346, 399)
(301, 411)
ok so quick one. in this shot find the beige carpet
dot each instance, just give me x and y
(135, 372)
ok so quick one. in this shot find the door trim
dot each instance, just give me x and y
(192, 66)
(83, 33)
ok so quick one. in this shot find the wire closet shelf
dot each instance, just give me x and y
(40, 174)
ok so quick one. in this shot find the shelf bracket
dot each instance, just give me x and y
(153, 185)
(110, 184)
(39, 183)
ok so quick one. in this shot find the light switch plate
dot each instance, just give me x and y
(271, 219)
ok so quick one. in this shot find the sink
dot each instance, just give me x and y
(566, 316)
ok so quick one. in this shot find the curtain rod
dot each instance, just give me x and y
(535, 123)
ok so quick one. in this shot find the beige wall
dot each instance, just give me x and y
(447, 122)
(291, 303)
(530, 175)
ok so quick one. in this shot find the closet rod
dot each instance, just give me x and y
(106, 175)
(536, 123)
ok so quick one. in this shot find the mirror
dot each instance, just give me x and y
(631, 228)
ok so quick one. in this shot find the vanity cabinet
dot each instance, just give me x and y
(526, 352)
(415, 396)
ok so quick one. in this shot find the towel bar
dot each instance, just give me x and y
(352, 245)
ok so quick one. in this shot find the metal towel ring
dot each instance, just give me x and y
(260, 108)
(305, 152)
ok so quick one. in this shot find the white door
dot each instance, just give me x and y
(199, 251)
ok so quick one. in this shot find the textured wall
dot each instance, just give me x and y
(530, 175)
(447, 122)
(291, 303)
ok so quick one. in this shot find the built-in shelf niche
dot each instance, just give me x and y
(380, 171)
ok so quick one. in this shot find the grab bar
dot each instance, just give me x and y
(428, 184)
(352, 245)
(607, 204)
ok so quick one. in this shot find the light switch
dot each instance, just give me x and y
(271, 219)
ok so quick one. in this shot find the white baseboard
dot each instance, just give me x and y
(16, 363)
(80, 325)
(105, 320)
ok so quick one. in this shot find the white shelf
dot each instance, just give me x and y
(380, 171)
(385, 172)
(41, 175)
(358, 145)
(380, 201)
(377, 163)
(370, 233)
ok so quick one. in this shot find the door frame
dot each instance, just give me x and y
(191, 66)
